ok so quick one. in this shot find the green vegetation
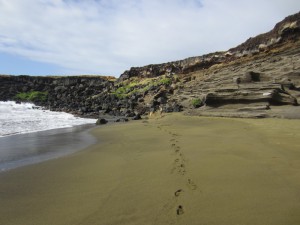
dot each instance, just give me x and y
(165, 81)
(122, 92)
(197, 102)
(32, 96)
(133, 86)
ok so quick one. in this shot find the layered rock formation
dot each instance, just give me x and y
(255, 79)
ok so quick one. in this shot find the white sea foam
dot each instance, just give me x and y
(27, 118)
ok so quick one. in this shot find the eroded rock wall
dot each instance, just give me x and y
(69, 94)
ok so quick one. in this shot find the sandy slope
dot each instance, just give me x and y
(171, 170)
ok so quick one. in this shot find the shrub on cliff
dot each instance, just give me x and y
(32, 96)
(197, 102)
(139, 86)
(165, 81)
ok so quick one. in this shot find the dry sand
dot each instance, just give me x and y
(171, 170)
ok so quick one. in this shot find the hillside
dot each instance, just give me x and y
(259, 78)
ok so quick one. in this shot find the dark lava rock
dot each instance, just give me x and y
(121, 120)
(137, 117)
(101, 121)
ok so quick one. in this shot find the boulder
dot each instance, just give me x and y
(137, 117)
(251, 77)
(121, 120)
(101, 121)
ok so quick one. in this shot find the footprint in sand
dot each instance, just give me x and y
(179, 210)
(181, 169)
(174, 140)
(176, 147)
(191, 184)
(177, 193)
(173, 134)
(178, 166)
(175, 166)
(181, 156)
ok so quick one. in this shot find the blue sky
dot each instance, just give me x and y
(71, 37)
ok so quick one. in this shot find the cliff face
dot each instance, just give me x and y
(177, 67)
(253, 79)
(69, 94)
(90, 96)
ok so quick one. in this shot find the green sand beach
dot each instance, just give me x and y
(171, 170)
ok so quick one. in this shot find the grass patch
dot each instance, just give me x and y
(122, 92)
(133, 86)
(165, 81)
(32, 96)
(197, 102)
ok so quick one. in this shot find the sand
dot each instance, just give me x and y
(170, 170)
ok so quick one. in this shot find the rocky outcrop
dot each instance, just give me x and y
(70, 94)
(177, 67)
(275, 96)
(90, 96)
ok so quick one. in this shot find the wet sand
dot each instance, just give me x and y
(30, 148)
(171, 170)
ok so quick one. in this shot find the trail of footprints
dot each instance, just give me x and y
(179, 167)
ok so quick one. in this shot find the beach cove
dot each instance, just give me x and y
(171, 170)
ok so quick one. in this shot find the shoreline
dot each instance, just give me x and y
(36, 147)
(171, 170)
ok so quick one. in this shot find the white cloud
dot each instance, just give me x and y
(110, 36)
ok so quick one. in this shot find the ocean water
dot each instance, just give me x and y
(29, 134)
(26, 118)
